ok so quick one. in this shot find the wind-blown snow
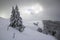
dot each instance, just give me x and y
(27, 34)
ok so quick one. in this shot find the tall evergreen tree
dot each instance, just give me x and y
(16, 20)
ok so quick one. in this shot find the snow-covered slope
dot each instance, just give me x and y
(27, 34)
(32, 26)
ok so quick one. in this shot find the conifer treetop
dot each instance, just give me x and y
(16, 8)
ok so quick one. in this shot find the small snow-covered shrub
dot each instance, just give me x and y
(39, 29)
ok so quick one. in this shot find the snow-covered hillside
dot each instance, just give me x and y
(27, 34)
(32, 26)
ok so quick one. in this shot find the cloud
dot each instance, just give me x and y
(51, 8)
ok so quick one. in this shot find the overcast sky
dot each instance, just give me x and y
(51, 9)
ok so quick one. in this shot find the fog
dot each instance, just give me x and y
(51, 9)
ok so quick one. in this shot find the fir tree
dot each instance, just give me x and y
(16, 20)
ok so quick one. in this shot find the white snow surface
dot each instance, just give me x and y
(27, 34)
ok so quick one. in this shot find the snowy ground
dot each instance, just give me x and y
(27, 34)
(32, 26)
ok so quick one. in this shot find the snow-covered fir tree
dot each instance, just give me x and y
(16, 20)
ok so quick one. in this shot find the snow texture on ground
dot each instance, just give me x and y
(13, 34)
